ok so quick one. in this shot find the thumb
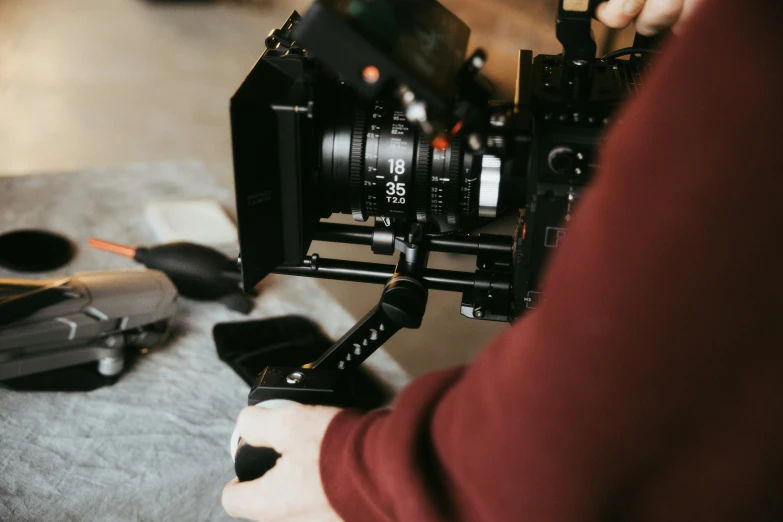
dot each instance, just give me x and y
(262, 427)
(618, 14)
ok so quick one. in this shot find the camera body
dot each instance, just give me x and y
(382, 115)
(569, 108)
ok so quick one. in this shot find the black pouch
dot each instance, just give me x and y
(250, 346)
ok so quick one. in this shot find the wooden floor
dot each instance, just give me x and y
(104, 82)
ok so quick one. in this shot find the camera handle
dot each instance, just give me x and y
(573, 29)
(327, 381)
(402, 305)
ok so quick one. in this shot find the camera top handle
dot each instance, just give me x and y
(574, 19)
(573, 30)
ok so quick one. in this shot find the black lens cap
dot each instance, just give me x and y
(35, 250)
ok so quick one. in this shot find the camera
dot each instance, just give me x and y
(375, 109)
(372, 108)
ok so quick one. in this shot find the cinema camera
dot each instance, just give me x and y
(373, 108)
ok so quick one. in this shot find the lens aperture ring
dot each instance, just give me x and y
(421, 181)
(468, 186)
(451, 188)
(356, 163)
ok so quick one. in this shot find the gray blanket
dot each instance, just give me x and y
(155, 445)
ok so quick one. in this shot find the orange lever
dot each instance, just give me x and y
(114, 248)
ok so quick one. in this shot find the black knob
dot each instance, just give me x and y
(251, 462)
(562, 160)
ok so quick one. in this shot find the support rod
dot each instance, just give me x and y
(338, 233)
(471, 245)
(456, 244)
(448, 280)
(340, 270)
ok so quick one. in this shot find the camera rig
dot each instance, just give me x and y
(373, 108)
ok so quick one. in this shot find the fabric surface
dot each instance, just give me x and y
(648, 386)
(154, 446)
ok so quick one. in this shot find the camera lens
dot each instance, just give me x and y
(375, 163)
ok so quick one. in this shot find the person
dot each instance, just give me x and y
(649, 385)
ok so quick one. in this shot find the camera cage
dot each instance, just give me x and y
(563, 99)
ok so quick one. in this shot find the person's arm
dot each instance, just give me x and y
(648, 384)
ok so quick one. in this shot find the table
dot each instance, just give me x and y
(155, 445)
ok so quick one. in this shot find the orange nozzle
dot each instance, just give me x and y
(114, 248)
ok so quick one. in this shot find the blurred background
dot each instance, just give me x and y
(89, 83)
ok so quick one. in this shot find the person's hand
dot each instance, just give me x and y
(649, 16)
(292, 490)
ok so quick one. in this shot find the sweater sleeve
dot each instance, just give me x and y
(648, 385)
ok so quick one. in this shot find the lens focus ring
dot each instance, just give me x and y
(489, 189)
(356, 164)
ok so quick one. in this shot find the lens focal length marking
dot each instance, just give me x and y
(401, 175)
(394, 174)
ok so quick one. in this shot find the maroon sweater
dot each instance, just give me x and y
(650, 384)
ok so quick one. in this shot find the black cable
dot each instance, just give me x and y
(628, 50)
